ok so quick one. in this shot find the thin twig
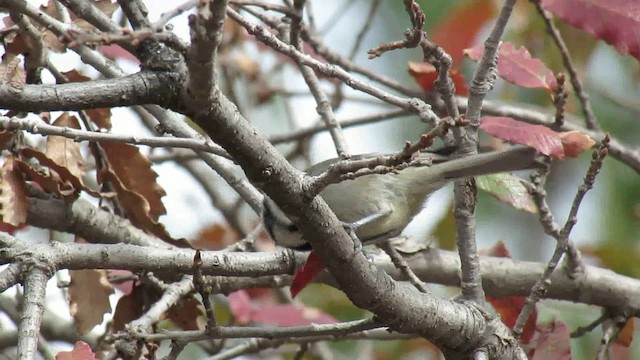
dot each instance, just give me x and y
(403, 266)
(204, 291)
(589, 116)
(41, 128)
(559, 98)
(306, 132)
(562, 240)
(270, 332)
(582, 330)
(375, 4)
(415, 105)
(323, 104)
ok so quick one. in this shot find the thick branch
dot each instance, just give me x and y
(34, 298)
(502, 277)
(138, 89)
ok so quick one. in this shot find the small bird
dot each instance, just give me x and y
(380, 206)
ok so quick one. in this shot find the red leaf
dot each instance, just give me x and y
(626, 334)
(497, 250)
(245, 312)
(543, 139)
(240, 305)
(552, 342)
(114, 51)
(460, 28)
(309, 271)
(425, 75)
(81, 351)
(518, 67)
(509, 307)
(610, 20)
(125, 287)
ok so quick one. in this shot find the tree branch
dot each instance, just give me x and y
(137, 89)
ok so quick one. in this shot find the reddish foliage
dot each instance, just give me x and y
(307, 273)
(510, 307)
(81, 351)
(116, 52)
(552, 342)
(543, 139)
(518, 67)
(215, 237)
(245, 312)
(425, 75)
(125, 287)
(460, 28)
(612, 21)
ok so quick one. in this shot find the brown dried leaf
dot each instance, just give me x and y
(89, 298)
(15, 43)
(48, 180)
(129, 308)
(64, 151)
(75, 76)
(188, 314)
(68, 183)
(215, 237)
(13, 194)
(134, 172)
(101, 117)
(11, 72)
(5, 138)
(138, 211)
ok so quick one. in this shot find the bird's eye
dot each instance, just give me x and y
(292, 228)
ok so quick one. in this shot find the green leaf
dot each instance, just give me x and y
(508, 189)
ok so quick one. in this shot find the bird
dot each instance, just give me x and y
(377, 206)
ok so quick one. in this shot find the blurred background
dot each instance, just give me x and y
(270, 92)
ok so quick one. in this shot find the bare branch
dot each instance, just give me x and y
(323, 108)
(414, 105)
(33, 309)
(42, 128)
(136, 89)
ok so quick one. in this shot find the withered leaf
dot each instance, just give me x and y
(134, 171)
(13, 194)
(64, 151)
(89, 298)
